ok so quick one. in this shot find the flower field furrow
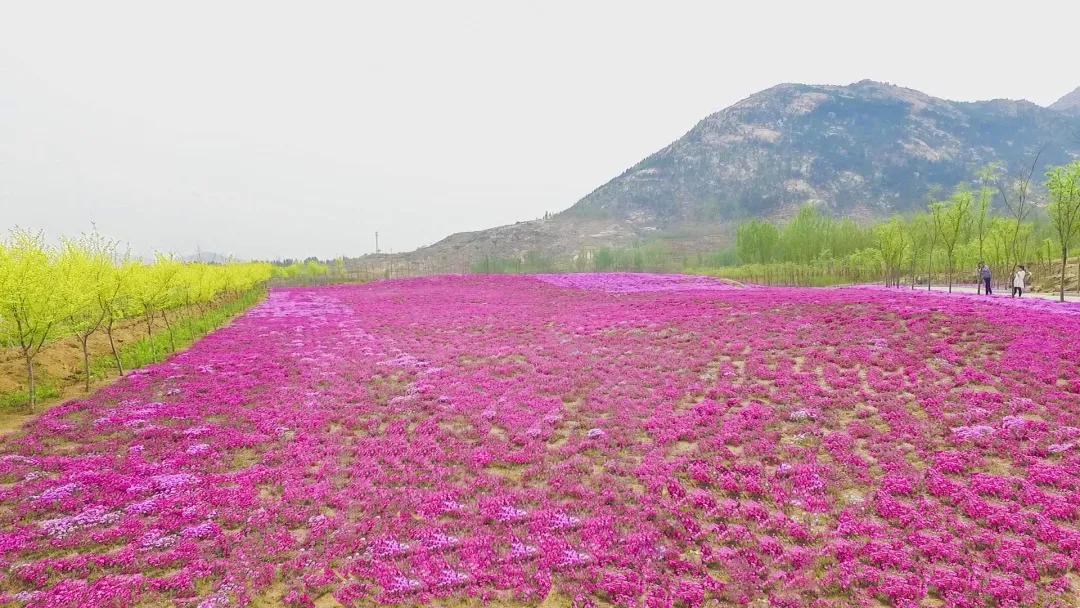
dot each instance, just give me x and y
(636, 282)
(633, 440)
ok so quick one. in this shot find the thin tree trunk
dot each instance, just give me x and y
(112, 345)
(86, 359)
(150, 334)
(168, 327)
(1064, 263)
(190, 323)
(31, 393)
(187, 315)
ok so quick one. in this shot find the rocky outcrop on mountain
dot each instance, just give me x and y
(1069, 104)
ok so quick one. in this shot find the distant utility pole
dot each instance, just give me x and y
(376, 241)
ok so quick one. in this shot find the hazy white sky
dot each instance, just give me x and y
(269, 129)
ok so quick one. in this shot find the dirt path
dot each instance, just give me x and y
(1004, 293)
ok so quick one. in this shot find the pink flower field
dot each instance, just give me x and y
(636, 440)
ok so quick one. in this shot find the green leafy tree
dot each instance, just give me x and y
(1063, 184)
(1016, 197)
(756, 241)
(806, 236)
(153, 290)
(117, 302)
(918, 239)
(32, 307)
(85, 268)
(952, 219)
(981, 223)
(891, 240)
(603, 259)
(930, 236)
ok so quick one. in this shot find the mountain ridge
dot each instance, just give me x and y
(771, 150)
(1069, 103)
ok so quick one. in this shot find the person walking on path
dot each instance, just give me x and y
(1019, 281)
(985, 276)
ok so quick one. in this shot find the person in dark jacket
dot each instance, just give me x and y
(985, 275)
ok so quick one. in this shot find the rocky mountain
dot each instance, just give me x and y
(1069, 104)
(866, 149)
(863, 150)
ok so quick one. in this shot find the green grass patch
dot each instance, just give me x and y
(44, 386)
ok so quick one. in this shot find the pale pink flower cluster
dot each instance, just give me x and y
(636, 282)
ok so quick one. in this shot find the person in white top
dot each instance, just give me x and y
(1019, 280)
